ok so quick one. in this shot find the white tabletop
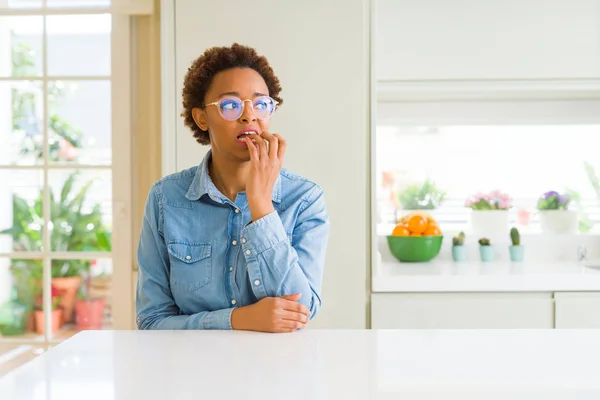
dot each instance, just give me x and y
(449, 276)
(314, 364)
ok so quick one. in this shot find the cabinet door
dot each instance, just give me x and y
(487, 39)
(577, 310)
(462, 311)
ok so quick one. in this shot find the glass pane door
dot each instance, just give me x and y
(56, 179)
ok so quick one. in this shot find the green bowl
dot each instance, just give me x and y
(415, 248)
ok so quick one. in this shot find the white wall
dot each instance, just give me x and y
(319, 50)
(487, 39)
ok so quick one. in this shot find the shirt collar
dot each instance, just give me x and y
(202, 184)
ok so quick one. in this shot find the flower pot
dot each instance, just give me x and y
(486, 253)
(57, 316)
(491, 224)
(559, 221)
(516, 253)
(67, 290)
(90, 314)
(459, 253)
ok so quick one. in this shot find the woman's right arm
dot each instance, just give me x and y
(155, 307)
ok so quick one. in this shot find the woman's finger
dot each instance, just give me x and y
(251, 149)
(294, 316)
(262, 145)
(282, 145)
(273, 145)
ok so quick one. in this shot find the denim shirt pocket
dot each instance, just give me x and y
(191, 266)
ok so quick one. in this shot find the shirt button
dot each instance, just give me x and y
(243, 240)
(231, 268)
(248, 252)
(234, 242)
(187, 257)
(256, 282)
(233, 302)
(138, 319)
(237, 211)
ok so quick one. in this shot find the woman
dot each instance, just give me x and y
(236, 242)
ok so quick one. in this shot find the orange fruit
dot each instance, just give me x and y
(415, 234)
(417, 224)
(400, 230)
(432, 230)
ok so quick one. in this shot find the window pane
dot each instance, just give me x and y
(80, 122)
(22, 4)
(77, 3)
(522, 161)
(21, 218)
(20, 296)
(21, 46)
(85, 297)
(79, 45)
(21, 111)
(81, 211)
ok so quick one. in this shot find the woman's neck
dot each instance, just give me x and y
(228, 176)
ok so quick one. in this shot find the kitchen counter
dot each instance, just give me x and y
(314, 364)
(448, 276)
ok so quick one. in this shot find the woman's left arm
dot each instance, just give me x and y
(277, 267)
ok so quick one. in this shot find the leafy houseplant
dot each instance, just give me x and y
(555, 216)
(516, 250)
(74, 228)
(424, 196)
(57, 312)
(459, 251)
(89, 311)
(486, 250)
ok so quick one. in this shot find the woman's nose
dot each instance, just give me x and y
(248, 112)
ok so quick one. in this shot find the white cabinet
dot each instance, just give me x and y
(462, 311)
(487, 39)
(577, 310)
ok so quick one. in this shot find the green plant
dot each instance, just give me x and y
(459, 240)
(424, 196)
(74, 228)
(515, 236)
(484, 242)
(552, 200)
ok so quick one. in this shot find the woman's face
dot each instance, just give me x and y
(245, 84)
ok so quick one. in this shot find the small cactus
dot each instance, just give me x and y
(484, 242)
(459, 240)
(515, 237)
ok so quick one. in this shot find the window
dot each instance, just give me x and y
(65, 129)
(464, 148)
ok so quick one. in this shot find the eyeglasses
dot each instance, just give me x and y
(231, 108)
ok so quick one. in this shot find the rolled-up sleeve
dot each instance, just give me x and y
(278, 266)
(155, 306)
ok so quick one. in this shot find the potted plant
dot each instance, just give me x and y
(486, 250)
(489, 215)
(555, 216)
(89, 311)
(74, 228)
(57, 313)
(516, 250)
(459, 251)
(421, 196)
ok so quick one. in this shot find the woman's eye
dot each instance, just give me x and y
(229, 105)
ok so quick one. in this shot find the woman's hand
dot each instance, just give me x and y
(265, 164)
(272, 314)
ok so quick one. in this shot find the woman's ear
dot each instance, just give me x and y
(200, 119)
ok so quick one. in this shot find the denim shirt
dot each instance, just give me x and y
(200, 255)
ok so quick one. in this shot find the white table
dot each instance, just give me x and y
(313, 364)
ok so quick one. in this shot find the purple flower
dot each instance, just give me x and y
(562, 199)
(549, 194)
